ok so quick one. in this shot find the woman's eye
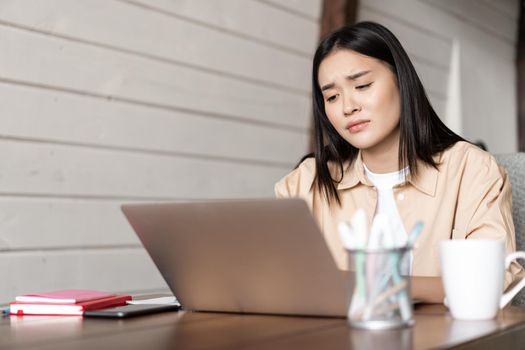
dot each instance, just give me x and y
(362, 87)
(331, 98)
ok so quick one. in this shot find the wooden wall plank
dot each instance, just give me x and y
(31, 168)
(493, 123)
(421, 12)
(158, 35)
(439, 103)
(481, 15)
(509, 8)
(50, 223)
(246, 18)
(56, 116)
(112, 270)
(417, 40)
(434, 78)
(85, 69)
(308, 8)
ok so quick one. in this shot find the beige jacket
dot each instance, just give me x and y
(467, 197)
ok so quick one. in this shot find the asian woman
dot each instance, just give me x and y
(381, 147)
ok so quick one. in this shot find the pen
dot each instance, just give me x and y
(414, 233)
(402, 298)
(359, 226)
(375, 241)
(359, 230)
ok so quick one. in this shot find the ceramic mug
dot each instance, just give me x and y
(473, 272)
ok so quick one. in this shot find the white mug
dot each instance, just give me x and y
(473, 272)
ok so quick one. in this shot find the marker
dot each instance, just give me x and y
(414, 233)
(393, 241)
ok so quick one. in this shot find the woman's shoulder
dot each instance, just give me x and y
(463, 150)
(298, 181)
(467, 156)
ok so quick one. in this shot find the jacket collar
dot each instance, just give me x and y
(354, 173)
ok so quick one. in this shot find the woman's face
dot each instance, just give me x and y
(361, 99)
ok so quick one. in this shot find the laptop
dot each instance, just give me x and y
(245, 256)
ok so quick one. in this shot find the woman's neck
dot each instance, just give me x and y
(383, 157)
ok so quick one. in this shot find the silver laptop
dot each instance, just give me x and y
(247, 256)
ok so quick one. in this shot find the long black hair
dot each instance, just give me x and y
(422, 133)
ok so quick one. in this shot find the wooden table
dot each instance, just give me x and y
(434, 328)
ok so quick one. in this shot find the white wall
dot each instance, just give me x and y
(464, 52)
(112, 101)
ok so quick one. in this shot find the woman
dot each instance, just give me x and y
(380, 146)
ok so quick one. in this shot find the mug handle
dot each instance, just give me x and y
(507, 297)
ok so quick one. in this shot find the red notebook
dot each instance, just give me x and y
(70, 296)
(26, 308)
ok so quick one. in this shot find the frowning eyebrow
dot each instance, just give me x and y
(349, 77)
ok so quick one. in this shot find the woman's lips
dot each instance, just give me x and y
(357, 125)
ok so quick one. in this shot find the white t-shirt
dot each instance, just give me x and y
(386, 205)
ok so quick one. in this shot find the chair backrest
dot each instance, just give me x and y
(515, 165)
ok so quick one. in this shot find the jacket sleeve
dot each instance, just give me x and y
(298, 183)
(282, 188)
(487, 208)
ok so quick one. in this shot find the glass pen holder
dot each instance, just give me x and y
(381, 296)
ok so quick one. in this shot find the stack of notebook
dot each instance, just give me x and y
(65, 302)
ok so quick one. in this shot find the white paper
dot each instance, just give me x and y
(157, 301)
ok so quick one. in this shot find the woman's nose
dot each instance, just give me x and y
(350, 107)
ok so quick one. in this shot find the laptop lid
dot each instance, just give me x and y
(252, 256)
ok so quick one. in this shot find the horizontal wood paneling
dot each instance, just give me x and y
(107, 102)
(434, 79)
(417, 40)
(101, 269)
(84, 69)
(439, 104)
(158, 35)
(428, 18)
(32, 168)
(509, 8)
(308, 8)
(493, 113)
(63, 117)
(46, 223)
(480, 14)
(246, 18)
